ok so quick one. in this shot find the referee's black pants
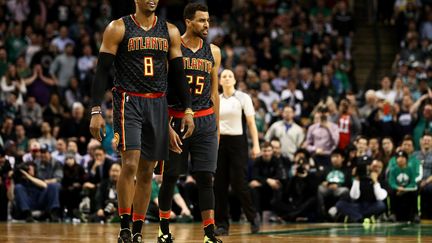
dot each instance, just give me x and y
(232, 170)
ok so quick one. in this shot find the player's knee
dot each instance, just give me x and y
(204, 179)
(129, 168)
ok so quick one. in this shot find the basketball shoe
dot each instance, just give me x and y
(211, 239)
(165, 238)
(125, 236)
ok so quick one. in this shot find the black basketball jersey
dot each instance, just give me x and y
(141, 60)
(198, 66)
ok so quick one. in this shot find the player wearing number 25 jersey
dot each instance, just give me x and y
(142, 47)
(201, 63)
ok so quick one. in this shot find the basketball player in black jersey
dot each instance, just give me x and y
(140, 46)
(201, 63)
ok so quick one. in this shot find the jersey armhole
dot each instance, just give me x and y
(167, 30)
(124, 23)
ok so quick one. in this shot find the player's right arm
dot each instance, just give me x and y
(179, 82)
(112, 37)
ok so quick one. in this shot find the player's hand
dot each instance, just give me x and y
(175, 141)
(96, 123)
(187, 121)
(255, 152)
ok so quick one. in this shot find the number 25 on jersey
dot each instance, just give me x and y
(199, 84)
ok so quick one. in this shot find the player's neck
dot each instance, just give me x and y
(192, 41)
(145, 19)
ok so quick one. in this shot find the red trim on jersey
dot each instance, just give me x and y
(144, 95)
(138, 24)
(184, 44)
(200, 113)
(200, 45)
(155, 21)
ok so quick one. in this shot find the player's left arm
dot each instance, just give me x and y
(215, 82)
(177, 78)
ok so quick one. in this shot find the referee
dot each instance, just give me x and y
(233, 153)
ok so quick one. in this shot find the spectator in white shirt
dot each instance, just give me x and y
(86, 62)
(386, 92)
(60, 153)
(290, 134)
(293, 96)
(281, 81)
(62, 40)
(426, 28)
(63, 67)
(268, 96)
(19, 9)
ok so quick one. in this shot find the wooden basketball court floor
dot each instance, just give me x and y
(239, 233)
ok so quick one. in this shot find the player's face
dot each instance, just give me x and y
(227, 78)
(199, 24)
(147, 5)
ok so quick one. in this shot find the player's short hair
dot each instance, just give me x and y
(192, 8)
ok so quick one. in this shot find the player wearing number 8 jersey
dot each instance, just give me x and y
(201, 63)
(141, 46)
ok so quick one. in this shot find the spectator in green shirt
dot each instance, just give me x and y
(403, 196)
(15, 43)
(335, 185)
(153, 210)
(415, 164)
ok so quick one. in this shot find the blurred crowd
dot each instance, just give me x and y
(329, 151)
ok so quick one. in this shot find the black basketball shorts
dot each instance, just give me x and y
(199, 150)
(141, 123)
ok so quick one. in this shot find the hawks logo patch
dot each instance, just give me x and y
(116, 139)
